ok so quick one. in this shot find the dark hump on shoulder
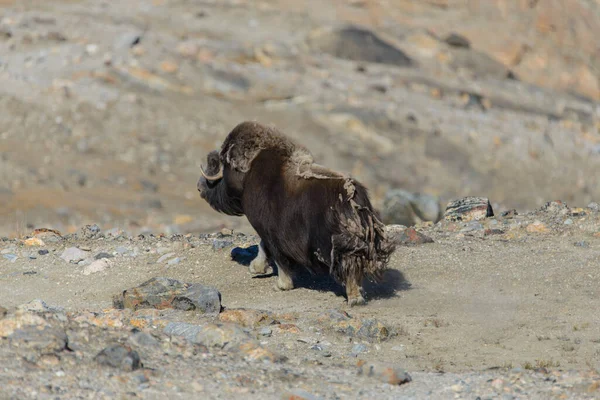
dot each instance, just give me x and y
(248, 138)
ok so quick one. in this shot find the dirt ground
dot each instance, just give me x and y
(459, 304)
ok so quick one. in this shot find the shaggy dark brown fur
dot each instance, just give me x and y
(306, 215)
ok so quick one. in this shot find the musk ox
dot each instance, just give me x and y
(307, 216)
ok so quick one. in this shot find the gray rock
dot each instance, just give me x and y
(169, 293)
(89, 231)
(556, 207)
(143, 339)
(479, 62)
(119, 356)
(102, 255)
(174, 261)
(209, 335)
(357, 349)
(594, 206)
(342, 322)
(358, 44)
(390, 374)
(46, 340)
(218, 244)
(469, 208)
(149, 186)
(406, 208)
(43, 252)
(127, 40)
(10, 257)
(37, 305)
(97, 266)
(472, 226)
(74, 255)
(165, 257)
(188, 331)
(265, 331)
(228, 337)
(400, 234)
(121, 250)
(456, 40)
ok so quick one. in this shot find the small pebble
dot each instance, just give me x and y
(569, 221)
(121, 250)
(266, 331)
(96, 266)
(118, 356)
(221, 244)
(91, 49)
(73, 255)
(357, 349)
(389, 374)
(165, 257)
(456, 388)
(10, 257)
(43, 252)
(174, 261)
(102, 255)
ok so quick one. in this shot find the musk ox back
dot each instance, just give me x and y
(306, 215)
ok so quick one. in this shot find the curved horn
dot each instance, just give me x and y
(212, 178)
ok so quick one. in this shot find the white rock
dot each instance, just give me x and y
(97, 266)
(74, 255)
(165, 257)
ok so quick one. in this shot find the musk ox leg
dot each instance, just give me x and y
(259, 265)
(284, 276)
(353, 291)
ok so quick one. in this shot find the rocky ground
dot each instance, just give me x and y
(472, 307)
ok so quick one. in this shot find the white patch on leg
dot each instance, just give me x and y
(284, 279)
(259, 265)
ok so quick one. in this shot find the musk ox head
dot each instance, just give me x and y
(221, 182)
(221, 186)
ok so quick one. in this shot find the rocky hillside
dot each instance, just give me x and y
(108, 108)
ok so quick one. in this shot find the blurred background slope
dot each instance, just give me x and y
(107, 109)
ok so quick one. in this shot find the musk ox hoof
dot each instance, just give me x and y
(278, 288)
(283, 284)
(258, 267)
(356, 301)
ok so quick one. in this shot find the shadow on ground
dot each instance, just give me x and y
(391, 282)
